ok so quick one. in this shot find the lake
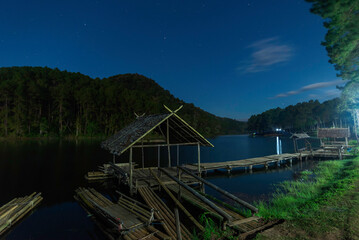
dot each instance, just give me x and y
(57, 167)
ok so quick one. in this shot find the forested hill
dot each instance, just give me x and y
(39, 101)
(301, 117)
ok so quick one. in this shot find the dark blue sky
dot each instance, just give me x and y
(231, 58)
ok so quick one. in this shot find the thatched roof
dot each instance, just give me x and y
(333, 132)
(300, 135)
(180, 133)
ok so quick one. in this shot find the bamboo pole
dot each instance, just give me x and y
(199, 196)
(197, 224)
(229, 195)
(178, 225)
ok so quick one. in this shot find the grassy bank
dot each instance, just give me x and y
(323, 204)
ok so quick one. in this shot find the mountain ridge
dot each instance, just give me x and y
(40, 101)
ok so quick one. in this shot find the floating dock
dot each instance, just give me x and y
(16, 209)
(127, 218)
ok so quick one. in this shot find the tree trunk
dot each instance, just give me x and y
(6, 117)
(60, 118)
(356, 122)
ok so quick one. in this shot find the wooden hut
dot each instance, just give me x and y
(302, 136)
(333, 136)
(156, 131)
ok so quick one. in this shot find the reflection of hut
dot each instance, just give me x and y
(333, 136)
(301, 136)
(156, 131)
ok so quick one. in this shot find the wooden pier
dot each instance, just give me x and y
(248, 163)
(265, 161)
(17, 209)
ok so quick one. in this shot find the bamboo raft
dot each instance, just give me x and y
(163, 213)
(128, 218)
(16, 209)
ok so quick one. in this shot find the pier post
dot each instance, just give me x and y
(266, 166)
(340, 153)
(229, 168)
(250, 168)
(278, 163)
(291, 162)
(202, 187)
(130, 165)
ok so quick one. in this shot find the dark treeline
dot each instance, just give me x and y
(37, 101)
(301, 117)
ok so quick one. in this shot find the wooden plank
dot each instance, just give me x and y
(245, 220)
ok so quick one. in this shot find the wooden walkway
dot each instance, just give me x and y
(328, 152)
(248, 163)
(16, 209)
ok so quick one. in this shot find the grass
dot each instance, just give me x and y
(323, 204)
(212, 231)
(298, 199)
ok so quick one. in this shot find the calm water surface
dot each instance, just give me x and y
(56, 168)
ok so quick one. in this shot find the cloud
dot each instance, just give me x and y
(266, 53)
(310, 87)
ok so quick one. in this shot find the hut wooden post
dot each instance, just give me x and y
(295, 145)
(131, 173)
(159, 159)
(177, 155)
(178, 173)
(199, 159)
(143, 155)
(168, 144)
(179, 186)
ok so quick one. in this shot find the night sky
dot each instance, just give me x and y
(231, 58)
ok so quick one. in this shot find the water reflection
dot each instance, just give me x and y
(56, 168)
